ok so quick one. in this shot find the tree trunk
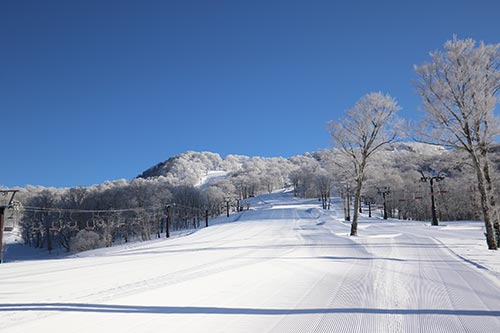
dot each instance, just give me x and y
(385, 205)
(491, 196)
(485, 204)
(348, 207)
(357, 202)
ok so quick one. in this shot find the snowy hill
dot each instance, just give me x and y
(211, 177)
(192, 168)
(285, 265)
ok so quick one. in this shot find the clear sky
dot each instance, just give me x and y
(99, 90)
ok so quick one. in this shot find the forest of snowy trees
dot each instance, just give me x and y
(373, 166)
(119, 211)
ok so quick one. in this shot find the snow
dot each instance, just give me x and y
(284, 266)
(211, 177)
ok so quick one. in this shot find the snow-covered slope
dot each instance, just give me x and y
(211, 177)
(284, 266)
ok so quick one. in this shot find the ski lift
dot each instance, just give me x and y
(9, 224)
(98, 221)
(56, 226)
(418, 195)
(35, 228)
(121, 221)
(72, 224)
(90, 224)
(441, 189)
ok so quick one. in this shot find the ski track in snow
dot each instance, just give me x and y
(284, 266)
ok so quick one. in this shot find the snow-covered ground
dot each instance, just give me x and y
(211, 177)
(284, 266)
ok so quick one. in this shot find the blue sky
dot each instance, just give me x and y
(101, 90)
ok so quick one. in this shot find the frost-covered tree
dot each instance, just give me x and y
(323, 181)
(214, 200)
(459, 88)
(42, 222)
(367, 127)
(302, 175)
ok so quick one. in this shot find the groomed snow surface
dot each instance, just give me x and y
(284, 266)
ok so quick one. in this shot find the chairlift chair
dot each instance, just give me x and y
(72, 224)
(35, 228)
(9, 224)
(90, 224)
(36, 222)
(417, 196)
(57, 224)
(100, 221)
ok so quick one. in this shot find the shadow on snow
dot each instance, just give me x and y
(130, 309)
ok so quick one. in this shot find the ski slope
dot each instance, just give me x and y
(285, 266)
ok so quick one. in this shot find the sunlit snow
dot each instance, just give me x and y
(283, 266)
